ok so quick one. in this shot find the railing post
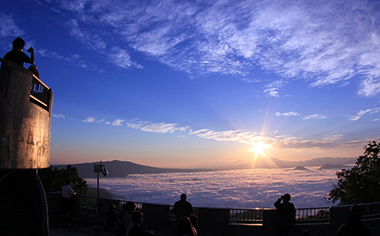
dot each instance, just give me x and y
(338, 216)
(270, 220)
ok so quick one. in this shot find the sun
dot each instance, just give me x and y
(258, 148)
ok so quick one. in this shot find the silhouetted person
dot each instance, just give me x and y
(134, 228)
(286, 212)
(185, 227)
(194, 220)
(33, 68)
(111, 219)
(182, 208)
(67, 194)
(126, 219)
(17, 55)
(353, 226)
(305, 233)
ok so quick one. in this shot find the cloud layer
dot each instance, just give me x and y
(249, 188)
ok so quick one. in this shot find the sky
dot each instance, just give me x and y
(200, 84)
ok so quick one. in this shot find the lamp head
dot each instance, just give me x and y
(104, 171)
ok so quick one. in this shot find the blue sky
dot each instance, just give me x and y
(199, 83)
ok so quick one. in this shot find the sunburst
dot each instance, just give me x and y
(258, 148)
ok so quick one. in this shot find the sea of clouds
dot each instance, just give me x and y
(226, 189)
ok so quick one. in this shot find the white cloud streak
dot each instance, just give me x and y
(8, 26)
(59, 116)
(314, 117)
(365, 112)
(240, 136)
(156, 127)
(272, 88)
(89, 120)
(291, 113)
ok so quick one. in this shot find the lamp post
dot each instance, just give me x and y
(99, 168)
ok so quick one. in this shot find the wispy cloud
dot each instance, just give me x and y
(364, 112)
(272, 88)
(241, 136)
(89, 120)
(250, 80)
(156, 127)
(315, 116)
(117, 122)
(291, 113)
(58, 116)
(8, 26)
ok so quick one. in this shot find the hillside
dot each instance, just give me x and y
(123, 168)
(118, 168)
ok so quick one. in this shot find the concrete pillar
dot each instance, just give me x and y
(24, 125)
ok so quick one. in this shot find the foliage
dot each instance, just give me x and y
(53, 179)
(361, 183)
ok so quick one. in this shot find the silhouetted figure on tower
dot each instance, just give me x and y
(286, 212)
(17, 55)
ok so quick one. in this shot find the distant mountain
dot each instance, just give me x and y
(332, 167)
(123, 168)
(300, 168)
(277, 163)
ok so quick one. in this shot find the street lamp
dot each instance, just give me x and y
(99, 168)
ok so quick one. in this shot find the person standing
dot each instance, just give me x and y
(286, 212)
(17, 55)
(67, 193)
(354, 226)
(182, 208)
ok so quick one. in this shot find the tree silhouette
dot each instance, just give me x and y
(361, 183)
(53, 179)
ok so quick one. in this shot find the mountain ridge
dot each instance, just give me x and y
(119, 168)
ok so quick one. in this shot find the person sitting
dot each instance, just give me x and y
(111, 219)
(125, 216)
(17, 55)
(134, 228)
(185, 227)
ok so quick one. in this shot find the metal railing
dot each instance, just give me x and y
(246, 216)
(40, 93)
(313, 215)
(370, 210)
(255, 216)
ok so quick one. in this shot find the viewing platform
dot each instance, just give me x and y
(322, 221)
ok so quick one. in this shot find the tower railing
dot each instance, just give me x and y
(40, 93)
